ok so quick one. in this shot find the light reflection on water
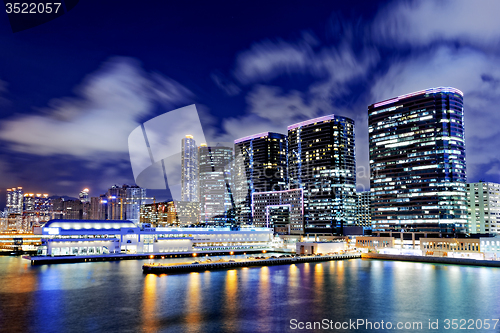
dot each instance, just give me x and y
(117, 297)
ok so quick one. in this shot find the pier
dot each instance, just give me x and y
(46, 260)
(156, 268)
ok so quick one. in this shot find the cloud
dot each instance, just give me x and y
(267, 60)
(332, 66)
(97, 122)
(225, 84)
(419, 23)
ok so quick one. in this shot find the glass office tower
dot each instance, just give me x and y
(322, 162)
(260, 166)
(417, 162)
(215, 184)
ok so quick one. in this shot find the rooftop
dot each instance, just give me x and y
(89, 224)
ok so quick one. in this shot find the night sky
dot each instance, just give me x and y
(72, 89)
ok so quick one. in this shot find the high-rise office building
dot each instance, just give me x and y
(260, 166)
(15, 197)
(189, 169)
(483, 208)
(322, 161)
(417, 162)
(215, 180)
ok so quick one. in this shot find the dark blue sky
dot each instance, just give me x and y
(71, 90)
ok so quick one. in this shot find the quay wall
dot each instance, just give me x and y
(434, 260)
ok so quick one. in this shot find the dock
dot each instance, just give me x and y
(47, 260)
(156, 268)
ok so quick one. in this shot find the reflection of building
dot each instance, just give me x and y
(189, 169)
(183, 213)
(75, 237)
(15, 200)
(281, 210)
(363, 215)
(321, 157)
(124, 202)
(260, 166)
(215, 184)
(417, 161)
(484, 208)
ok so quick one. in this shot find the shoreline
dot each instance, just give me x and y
(432, 260)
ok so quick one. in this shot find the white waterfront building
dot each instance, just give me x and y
(95, 237)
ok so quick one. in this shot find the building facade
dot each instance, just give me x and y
(189, 169)
(281, 210)
(417, 162)
(215, 180)
(260, 166)
(37, 209)
(183, 213)
(322, 161)
(363, 206)
(155, 214)
(483, 208)
(124, 202)
(99, 237)
(15, 197)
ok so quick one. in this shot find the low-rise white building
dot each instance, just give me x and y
(88, 237)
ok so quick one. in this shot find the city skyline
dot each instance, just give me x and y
(250, 166)
(72, 121)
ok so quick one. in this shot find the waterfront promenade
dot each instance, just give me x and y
(156, 268)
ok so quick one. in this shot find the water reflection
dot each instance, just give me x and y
(264, 297)
(149, 317)
(318, 282)
(17, 287)
(231, 300)
(193, 309)
(117, 297)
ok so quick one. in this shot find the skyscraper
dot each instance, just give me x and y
(215, 180)
(189, 169)
(260, 166)
(417, 162)
(322, 161)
